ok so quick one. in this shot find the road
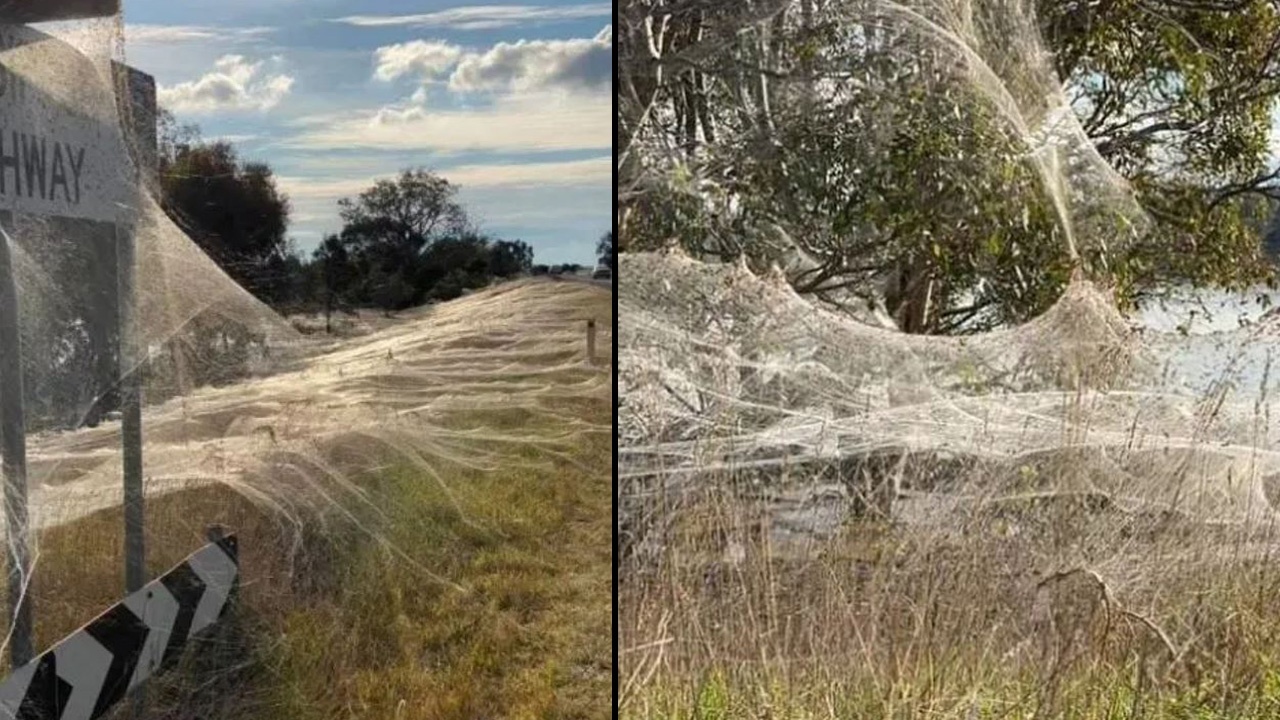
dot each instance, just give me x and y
(584, 280)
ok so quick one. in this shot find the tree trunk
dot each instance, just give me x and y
(909, 297)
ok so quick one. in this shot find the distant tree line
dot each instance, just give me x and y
(403, 242)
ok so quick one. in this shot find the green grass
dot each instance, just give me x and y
(354, 621)
(825, 696)
(529, 638)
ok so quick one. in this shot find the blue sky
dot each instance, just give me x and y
(513, 103)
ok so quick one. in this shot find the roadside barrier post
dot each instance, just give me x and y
(591, 342)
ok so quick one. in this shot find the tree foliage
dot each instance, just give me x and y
(853, 151)
(1178, 96)
(233, 210)
(605, 250)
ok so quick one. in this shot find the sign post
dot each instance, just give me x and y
(60, 159)
(13, 436)
(113, 656)
(138, 108)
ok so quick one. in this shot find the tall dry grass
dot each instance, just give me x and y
(1054, 609)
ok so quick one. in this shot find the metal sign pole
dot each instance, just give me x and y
(136, 96)
(13, 431)
(130, 414)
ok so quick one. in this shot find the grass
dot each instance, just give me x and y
(887, 621)
(361, 616)
(530, 640)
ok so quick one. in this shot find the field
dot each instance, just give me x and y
(423, 514)
(820, 519)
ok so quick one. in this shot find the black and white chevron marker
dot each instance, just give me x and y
(88, 672)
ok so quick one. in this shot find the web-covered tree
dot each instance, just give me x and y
(233, 210)
(847, 144)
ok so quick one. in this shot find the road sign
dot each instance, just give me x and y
(23, 12)
(64, 158)
(86, 674)
(62, 151)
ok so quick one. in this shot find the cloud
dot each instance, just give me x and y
(591, 171)
(234, 138)
(532, 122)
(235, 84)
(484, 17)
(425, 58)
(578, 64)
(176, 34)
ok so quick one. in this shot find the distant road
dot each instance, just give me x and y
(584, 279)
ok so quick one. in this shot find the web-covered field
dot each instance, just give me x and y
(343, 407)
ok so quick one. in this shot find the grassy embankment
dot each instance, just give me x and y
(1097, 616)
(341, 617)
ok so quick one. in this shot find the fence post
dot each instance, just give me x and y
(591, 342)
(13, 429)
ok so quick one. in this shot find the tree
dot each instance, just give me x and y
(337, 273)
(452, 265)
(1177, 95)
(173, 136)
(508, 258)
(604, 250)
(232, 210)
(392, 222)
(848, 144)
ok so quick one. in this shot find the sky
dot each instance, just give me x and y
(512, 103)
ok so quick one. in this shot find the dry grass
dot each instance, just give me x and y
(1094, 615)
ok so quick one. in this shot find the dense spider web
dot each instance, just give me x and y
(728, 373)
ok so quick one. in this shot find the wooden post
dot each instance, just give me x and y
(13, 431)
(591, 342)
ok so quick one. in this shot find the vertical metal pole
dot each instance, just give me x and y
(130, 426)
(13, 429)
(130, 413)
(136, 96)
(591, 342)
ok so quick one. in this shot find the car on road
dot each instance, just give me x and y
(602, 273)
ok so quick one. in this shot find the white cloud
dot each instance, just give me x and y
(235, 84)
(174, 34)
(234, 138)
(580, 64)
(590, 172)
(575, 64)
(425, 58)
(484, 17)
(532, 122)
